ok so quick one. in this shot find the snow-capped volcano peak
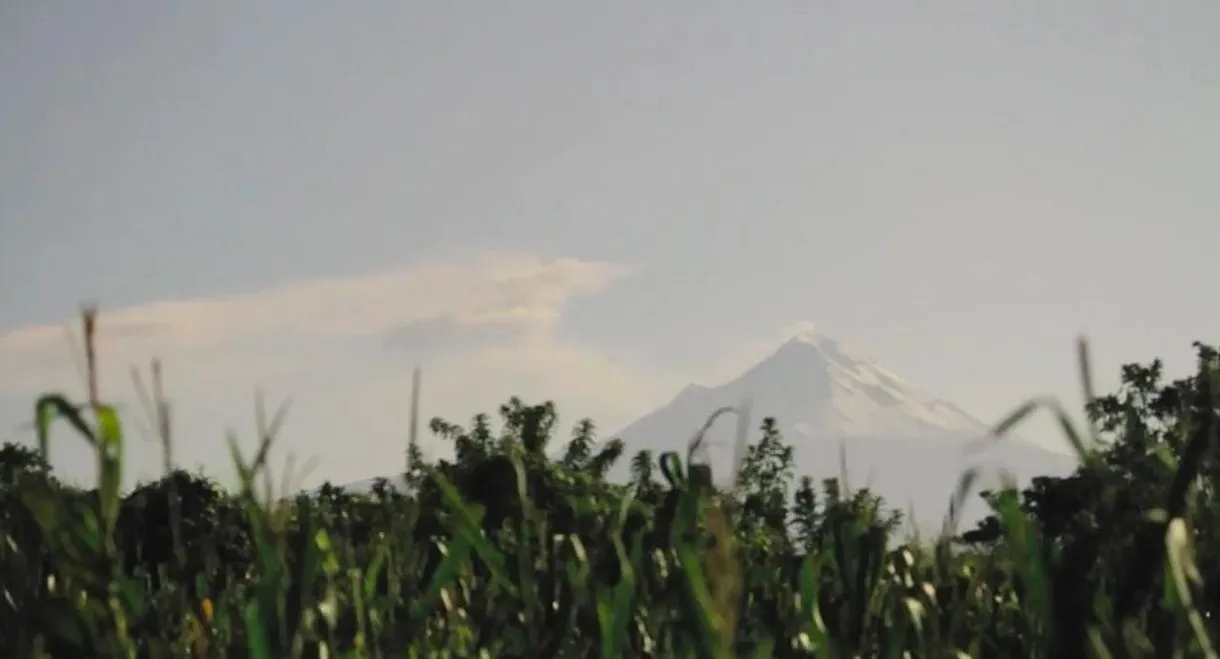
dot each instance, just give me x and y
(904, 443)
(806, 332)
(823, 387)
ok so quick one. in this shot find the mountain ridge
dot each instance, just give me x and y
(848, 375)
(828, 396)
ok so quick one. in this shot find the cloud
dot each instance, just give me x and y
(505, 294)
(442, 336)
(343, 349)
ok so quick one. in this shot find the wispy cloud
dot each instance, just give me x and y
(510, 294)
(344, 347)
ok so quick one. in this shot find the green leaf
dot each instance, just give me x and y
(110, 465)
(256, 632)
(51, 406)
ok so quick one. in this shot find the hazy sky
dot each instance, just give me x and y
(592, 202)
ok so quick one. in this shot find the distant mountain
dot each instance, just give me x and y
(833, 403)
(904, 444)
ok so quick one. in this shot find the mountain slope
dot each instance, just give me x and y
(831, 403)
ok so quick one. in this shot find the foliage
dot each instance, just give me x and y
(507, 552)
(1156, 465)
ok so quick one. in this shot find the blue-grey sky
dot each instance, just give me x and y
(592, 202)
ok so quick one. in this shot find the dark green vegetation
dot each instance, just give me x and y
(504, 552)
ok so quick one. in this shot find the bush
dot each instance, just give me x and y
(505, 552)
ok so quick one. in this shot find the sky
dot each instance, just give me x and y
(595, 203)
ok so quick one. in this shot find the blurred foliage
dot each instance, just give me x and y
(506, 552)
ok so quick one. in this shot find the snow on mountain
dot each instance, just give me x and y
(843, 394)
(832, 402)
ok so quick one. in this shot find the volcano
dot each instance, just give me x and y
(838, 408)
